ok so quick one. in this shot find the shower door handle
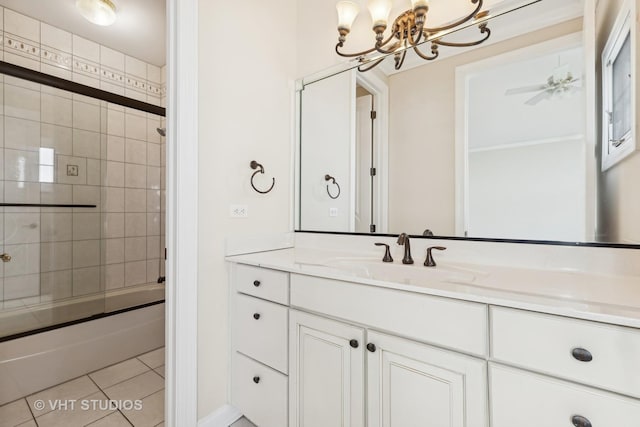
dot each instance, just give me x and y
(5, 257)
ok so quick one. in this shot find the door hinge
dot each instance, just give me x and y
(374, 115)
(372, 228)
(372, 171)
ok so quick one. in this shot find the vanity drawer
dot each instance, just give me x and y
(260, 331)
(263, 283)
(445, 322)
(547, 344)
(523, 399)
(259, 392)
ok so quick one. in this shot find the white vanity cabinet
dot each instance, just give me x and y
(407, 383)
(312, 351)
(259, 338)
(340, 372)
(602, 358)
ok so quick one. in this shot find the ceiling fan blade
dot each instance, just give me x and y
(539, 97)
(525, 89)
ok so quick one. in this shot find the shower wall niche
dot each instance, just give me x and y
(82, 184)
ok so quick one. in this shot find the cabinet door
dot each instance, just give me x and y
(326, 372)
(415, 385)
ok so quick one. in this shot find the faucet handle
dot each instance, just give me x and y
(387, 252)
(430, 262)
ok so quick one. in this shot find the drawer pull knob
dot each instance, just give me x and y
(256, 316)
(371, 347)
(582, 355)
(579, 421)
(256, 283)
(354, 343)
(256, 380)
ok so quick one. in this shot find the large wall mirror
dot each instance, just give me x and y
(503, 140)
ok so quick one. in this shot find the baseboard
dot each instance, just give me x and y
(221, 417)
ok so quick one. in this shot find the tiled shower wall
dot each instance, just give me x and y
(63, 148)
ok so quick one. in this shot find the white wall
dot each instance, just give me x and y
(247, 63)
(528, 192)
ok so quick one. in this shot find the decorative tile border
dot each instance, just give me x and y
(55, 57)
(112, 75)
(136, 83)
(86, 67)
(20, 46)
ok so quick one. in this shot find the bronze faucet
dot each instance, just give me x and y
(403, 239)
(430, 262)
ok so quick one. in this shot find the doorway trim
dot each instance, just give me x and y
(379, 88)
(181, 403)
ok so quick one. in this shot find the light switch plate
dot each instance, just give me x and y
(333, 212)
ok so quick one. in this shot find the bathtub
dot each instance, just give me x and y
(132, 323)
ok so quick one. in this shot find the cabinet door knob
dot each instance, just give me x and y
(256, 283)
(354, 343)
(371, 347)
(582, 355)
(580, 421)
(256, 316)
(256, 380)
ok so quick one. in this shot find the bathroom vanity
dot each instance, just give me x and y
(320, 339)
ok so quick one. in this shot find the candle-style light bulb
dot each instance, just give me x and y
(380, 10)
(347, 13)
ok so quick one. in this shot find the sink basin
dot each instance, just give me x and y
(408, 274)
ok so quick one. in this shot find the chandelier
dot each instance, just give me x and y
(409, 29)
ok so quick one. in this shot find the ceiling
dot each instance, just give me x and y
(139, 30)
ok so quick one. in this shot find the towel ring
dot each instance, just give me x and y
(330, 178)
(260, 169)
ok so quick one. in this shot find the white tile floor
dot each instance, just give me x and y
(139, 379)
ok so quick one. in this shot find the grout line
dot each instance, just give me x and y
(135, 376)
(33, 417)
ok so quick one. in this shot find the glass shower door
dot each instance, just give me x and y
(50, 219)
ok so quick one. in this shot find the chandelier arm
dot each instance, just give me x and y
(392, 49)
(483, 30)
(401, 61)
(352, 55)
(395, 46)
(426, 57)
(373, 65)
(460, 21)
(413, 42)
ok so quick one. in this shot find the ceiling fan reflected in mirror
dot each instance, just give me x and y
(562, 82)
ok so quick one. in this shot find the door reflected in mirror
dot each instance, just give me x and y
(500, 141)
